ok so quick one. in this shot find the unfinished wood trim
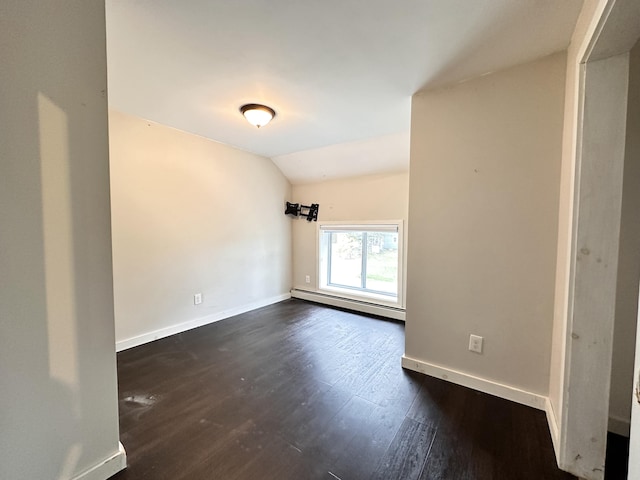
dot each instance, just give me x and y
(597, 210)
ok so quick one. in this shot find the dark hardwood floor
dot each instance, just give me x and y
(617, 457)
(301, 391)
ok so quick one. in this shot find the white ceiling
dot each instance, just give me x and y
(338, 73)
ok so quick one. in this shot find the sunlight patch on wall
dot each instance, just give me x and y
(58, 246)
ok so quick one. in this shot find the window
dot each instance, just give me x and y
(362, 260)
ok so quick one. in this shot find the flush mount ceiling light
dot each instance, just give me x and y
(256, 114)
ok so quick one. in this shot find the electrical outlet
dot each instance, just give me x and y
(475, 343)
(197, 299)
(307, 279)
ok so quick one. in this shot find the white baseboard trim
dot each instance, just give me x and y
(349, 304)
(619, 425)
(481, 384)
(554, 428)
(106, 468)
(198, 322)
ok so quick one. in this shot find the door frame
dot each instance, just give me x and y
(597, 204)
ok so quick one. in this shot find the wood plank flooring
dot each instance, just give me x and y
(301, 391)
(617, 457)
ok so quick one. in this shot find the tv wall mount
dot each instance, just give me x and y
(297, 210)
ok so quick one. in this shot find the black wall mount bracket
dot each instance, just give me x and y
(298, 210)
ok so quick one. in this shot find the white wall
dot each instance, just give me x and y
(484, 187)
(191, 215)
(374, 197)
(58, 400)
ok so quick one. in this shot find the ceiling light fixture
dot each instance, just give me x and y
(256, 114)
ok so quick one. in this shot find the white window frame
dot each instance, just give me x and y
(352, 293)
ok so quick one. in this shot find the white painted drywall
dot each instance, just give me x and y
(483, 210)
(628, 263)
(591, 10)
(335, 72)
(373, 156)
(58, 400)
(373, 197)
(192, 216)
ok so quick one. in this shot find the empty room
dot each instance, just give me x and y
(315, 240)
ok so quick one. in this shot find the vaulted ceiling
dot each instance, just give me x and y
(340, 74)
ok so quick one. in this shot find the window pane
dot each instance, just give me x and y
(361, 263)
(382, 262)
(345, 267)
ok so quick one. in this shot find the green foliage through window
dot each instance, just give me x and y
(362, 260)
